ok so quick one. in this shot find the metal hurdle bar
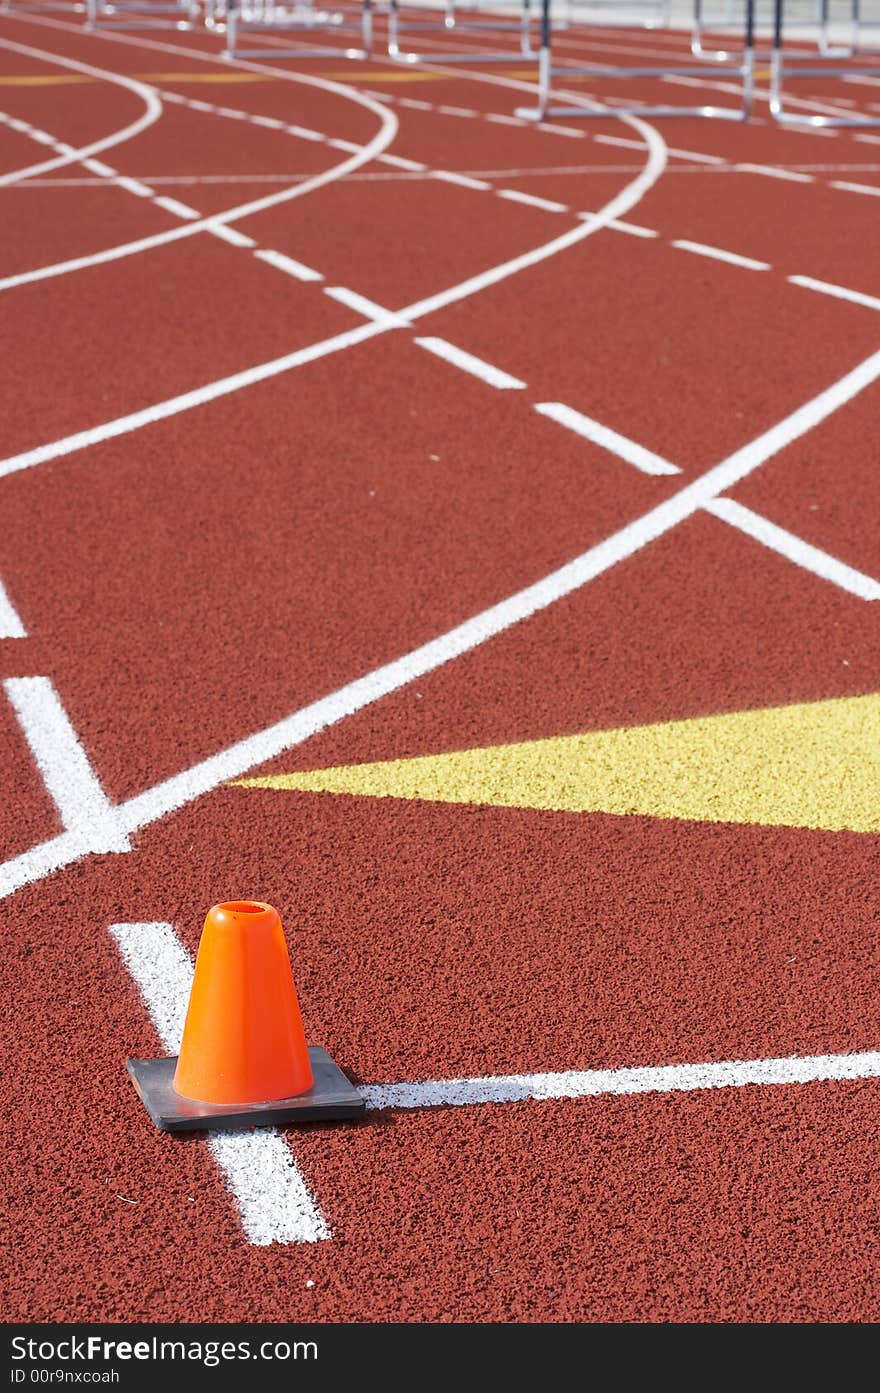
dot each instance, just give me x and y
(782, 68)
(744, 68)
(451, 24)
(141, 14)
(299, 17)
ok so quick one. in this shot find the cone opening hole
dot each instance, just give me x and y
(244, 907)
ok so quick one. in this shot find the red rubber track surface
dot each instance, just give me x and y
(189, 581)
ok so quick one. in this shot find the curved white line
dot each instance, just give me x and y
(152, 102)
(388, 128)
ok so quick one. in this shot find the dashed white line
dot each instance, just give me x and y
(848, 187)
(415, 105)
(795, 549)
(288, 265)
(348, 146)
(10, 622)
(550, 128)
(696, 156)
(259, 1169)
(303, 133)
(619, 140)
(868, 139)
(466, 183)
(633, 229)
(401, 163)
(377, 314)
(532, 200)
(608, 439)
(476, 367)
(270, 122)
(178, 209)
(99, 167)
(229, 234)
(839, 292)
(456, 110)
(133, 186)
(716, 253)
(69, 778)
(498, 120)
(773, 173)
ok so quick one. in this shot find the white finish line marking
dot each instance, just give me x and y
(593, 1083)
(608, 439)
(795, 549)
(716, 253)
(839, 292)
(272, 1196)
(71, 782)
(10, 623)
(487, 372)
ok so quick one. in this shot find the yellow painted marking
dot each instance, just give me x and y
(811, 765)
(41, 80)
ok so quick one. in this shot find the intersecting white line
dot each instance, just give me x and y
(85, 812)
(625, 449)
(273, 1198)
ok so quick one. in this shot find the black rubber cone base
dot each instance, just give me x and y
(331, 1098)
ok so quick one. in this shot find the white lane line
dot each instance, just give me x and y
(182, 788)
(196, 105)
(377, 314)
(456, 110)
(795, 549)
(99, 167)
(532, 200)
(856, 188)
(696, 156)
(288, 265)
(773, 173)
(133, 186)
(633, 229)
(415, 105)
(69, 778)
(608, 439)
(550, 128)
(839, 292)
(230, 235)
(270, 122)
(716, 253)
(303, 132)
(619, 140)
(498, 120)
(178, 209)
(401, 163)
(161, 411)
(593, 1083)
(348, 145)
(868, 139)
(152, 111)
(259, 1169)
(487, 372)
(10, 622)
(462, 179)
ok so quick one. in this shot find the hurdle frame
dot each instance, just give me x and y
(301, 18)
(141, 14)
(546, 73)
(791, 68)
(450, 24)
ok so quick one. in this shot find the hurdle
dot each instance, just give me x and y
(450, 24)
(141, 14)
(791, 67)
(742, 67)
(301, 17)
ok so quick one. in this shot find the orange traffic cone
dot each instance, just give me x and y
(243, 1058)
